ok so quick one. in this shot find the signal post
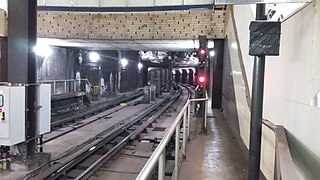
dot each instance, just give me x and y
(202, 80)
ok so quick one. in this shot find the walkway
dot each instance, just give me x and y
(215, 156)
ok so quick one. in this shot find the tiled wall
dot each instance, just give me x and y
(138, 25)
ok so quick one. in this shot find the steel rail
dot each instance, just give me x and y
(75, 127)
(102, 160)
(95, 109)
(85, 152)
(154, 159)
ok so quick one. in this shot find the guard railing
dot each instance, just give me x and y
(159, 155)
(67, 86)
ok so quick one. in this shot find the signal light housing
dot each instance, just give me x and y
(202, 54)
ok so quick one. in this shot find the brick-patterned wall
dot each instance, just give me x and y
(138, 26)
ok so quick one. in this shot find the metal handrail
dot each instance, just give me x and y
(57, 81)
(74, 81)
(66, 80)
(159, 154)
(284, 166)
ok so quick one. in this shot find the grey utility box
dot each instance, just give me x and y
(147, 95)
(265, 38)
(153, 92)
(157, 83)
(12, 115)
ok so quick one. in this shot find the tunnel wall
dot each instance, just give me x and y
(130, 74)
(291, 83)
(59, 65)
(64, 64)
(136, 25)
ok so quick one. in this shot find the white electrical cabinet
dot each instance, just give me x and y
(44, 111)
(12, 115)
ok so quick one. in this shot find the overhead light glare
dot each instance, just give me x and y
(212, 53)
(42, 50)
(94, 57)
(123, 62)
(140, 66)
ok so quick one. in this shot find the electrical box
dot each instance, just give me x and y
(12, 115)
(44, 109)
(264, 38)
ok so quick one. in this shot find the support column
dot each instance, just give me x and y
(119, 74)
(170, 72)
(145, 75)
(22, 34)
(202, 88)
(3, 59)
(256, 108)
(216, 73)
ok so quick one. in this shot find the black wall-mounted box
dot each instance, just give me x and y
(264, 38)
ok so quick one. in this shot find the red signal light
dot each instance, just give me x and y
(202, 79)
(202, 54)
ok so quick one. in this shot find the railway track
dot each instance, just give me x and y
(100, 166)
(84, 122)
(65, 119)
(83, 162)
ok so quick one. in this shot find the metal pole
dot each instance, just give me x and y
(162, 165)
(32, 79)
(205, 116)
(65, 87)
(74, 86)
(188, 132)
(184, 139)
(176, 161)
(54, 87)
(256, 108)
(170, 78)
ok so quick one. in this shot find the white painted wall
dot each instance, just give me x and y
(237, 52)
(4, 4)
(41, 2)
(292, 80)
(58, 2)
(86, 3)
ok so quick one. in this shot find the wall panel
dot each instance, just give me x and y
(291, 82)
(145, 25)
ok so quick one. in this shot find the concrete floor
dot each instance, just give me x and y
(214, 156)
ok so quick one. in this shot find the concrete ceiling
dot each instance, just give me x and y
(136, 45)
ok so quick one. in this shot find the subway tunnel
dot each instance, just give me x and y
(187, 89)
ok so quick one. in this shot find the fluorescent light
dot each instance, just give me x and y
(42, 50)
(94, 57)
(124, 62)
(210, 44)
